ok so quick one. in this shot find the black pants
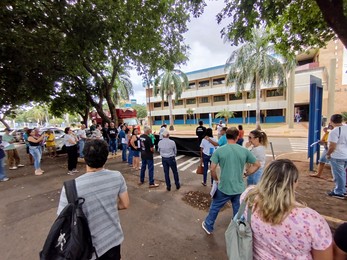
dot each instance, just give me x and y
(112, 254)
(71, 157)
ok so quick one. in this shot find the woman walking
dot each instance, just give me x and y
(207, 149)
(257, 144)
(71, 147)
(134, 146)
(282, 227)
(35, 150)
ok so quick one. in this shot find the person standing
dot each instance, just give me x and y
(162, 129)
(92, 128)
(113, 135)
(130, 154)
(147, 150)
(3, 176)
(200, 131)
(50, 143)
(257, 145)
(70, 141)
(297, 117)
(219, 128)
(241, 135)
(207, 149)
(135, 149)
(82, 137)
(105, 193)
(35, 150)
(25, 138)
(337, 154)
(13, 159)
(124, 142)
(168, 151)
(105, 135)
(232, 159)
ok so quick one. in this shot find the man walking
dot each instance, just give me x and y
(105, 193)
(200, 131)
(232, 159)
(147, 149)
(168, 151)
(337, 154)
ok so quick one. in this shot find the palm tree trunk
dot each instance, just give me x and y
(257, 99)
(170, 111)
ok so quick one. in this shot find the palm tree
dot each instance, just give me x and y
(254, 63)
(226, 114)
(168, 84)
(190, 112)
(122, 87)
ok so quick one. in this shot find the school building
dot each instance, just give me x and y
(207, 93)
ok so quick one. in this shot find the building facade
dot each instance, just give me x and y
(207, 93)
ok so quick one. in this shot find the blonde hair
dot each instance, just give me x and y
(261, 135)
(273, 198)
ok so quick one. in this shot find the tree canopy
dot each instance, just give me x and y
(297, 25)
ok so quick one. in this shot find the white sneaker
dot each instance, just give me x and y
(20, 165)
(74, 170)
(5, 179)
(70, 173)
(13, 168)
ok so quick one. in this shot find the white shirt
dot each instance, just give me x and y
(81, 133)
(219, 128)
(260, 153)
(339, 136)
(208, 148)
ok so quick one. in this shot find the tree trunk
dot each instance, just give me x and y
(111, 105)
(98, 107)
(170, 111)
(257, 99)
(2, 120)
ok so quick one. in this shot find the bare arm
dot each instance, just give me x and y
(332, 147)
(211, 141)
(123, 200)
(253, 168)
(326, 254)
(213, 171)
(33, 140)
(338, 253)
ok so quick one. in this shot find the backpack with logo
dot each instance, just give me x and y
(69, 237)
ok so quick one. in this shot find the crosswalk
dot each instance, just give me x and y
(300, 144)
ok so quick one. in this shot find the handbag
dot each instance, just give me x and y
(238, 236)
(200, 169)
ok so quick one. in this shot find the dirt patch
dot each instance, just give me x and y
(200, 200)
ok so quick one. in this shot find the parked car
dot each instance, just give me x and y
(59, 138)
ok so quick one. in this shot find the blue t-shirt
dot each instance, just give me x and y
(222, 140)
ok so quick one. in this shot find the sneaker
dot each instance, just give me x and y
(155, 185)
(70, 173)
(20, 165)
(205, 228)
(5, 179)
(74, 170)
(13, 168)
(333, 194)
(203, 183)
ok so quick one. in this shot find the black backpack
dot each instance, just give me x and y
(69, 237)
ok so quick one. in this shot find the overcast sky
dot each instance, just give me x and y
(206, 46)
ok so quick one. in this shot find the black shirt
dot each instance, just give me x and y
(146, 145)
(200, 132)
(112, 133)
(340, 237)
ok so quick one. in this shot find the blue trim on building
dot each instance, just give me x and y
(275, 119)
(179, 122)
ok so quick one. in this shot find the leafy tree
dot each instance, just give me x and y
(190, 113)
(226, 114)
(141, 110)
(344, 116)
(123, 87)
(253, 64)
(168, 84)
(297, 25)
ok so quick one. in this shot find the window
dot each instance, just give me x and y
(179, 117)
(179, 102)
(157, 118)
(204, 100)
(166, 118)
(274, 92)
(218, 81)
(204, 116)
(158, 104)
(191, 85)
(274, 112)
(251, 95)
(191, 101)
(235, 96)
(204, 83)
(166, 104)
(219, 98)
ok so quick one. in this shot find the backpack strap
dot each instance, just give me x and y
(242, 210)
(71, 191)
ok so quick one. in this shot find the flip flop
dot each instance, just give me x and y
(316, 176)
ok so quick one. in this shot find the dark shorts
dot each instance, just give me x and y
(136, 153)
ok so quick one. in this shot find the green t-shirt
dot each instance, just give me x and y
(232, 159)
(8, 138)
(152, 138)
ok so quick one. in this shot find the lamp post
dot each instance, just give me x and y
(248, 113)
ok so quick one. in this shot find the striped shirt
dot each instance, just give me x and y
(167, 148)
(100, 190)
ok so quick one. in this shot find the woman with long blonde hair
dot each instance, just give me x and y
(282, 227)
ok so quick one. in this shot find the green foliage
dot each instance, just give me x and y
(226, 114)
(344, 116)
(296, 25)
(141, 110)
(254, 64)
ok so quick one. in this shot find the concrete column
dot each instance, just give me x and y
(290, 99)
(331, 88)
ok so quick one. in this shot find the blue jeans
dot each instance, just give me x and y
(167, 164)
(124, 152)
(255, 177)
(81, 147)
(35, 151)
(206, 161)
(150, 171)
(323, 157)
(339, 171)
(2, 169)
(130, 156)
(113, 145)
(218, 202)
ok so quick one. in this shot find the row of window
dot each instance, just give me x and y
(237, 114)
(220, 98)
(206, 83)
